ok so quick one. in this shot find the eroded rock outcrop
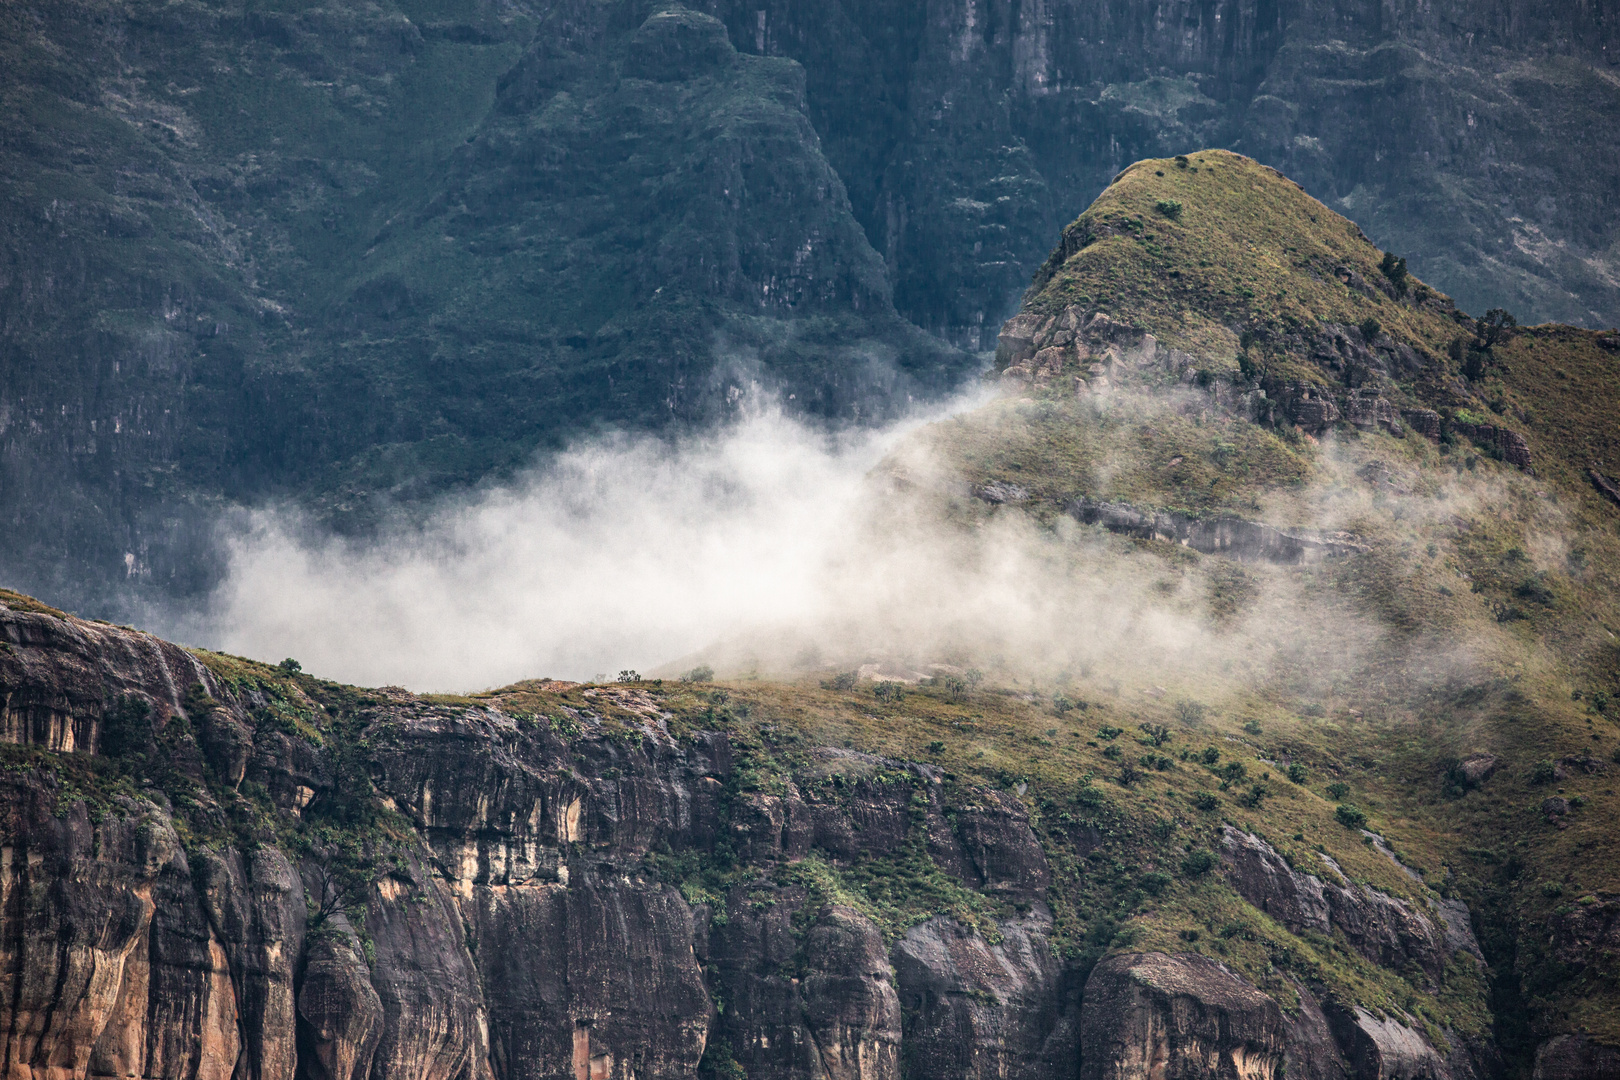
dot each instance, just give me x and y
(1180, 1017)
(1249, 541)
(526, 925)
(1576, 1057)
(1388, 931)
(980, 1009)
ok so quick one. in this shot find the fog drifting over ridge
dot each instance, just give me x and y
(621, 552)
(767, 545)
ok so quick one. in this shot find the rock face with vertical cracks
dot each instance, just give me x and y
(530, 920)
(977, 1009)
(1179, 1017)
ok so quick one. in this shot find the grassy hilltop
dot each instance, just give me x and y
(1477, 616)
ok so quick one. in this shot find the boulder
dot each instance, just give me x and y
(1507, 444)
(999, 493)
(1049, 361)
(1311, 408)
(1264, 879)
(1369, 409)
(1425, 422)
(1587, 934)
(1477, 768)
(1016, 343)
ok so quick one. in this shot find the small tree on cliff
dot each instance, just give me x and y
(1496, 327)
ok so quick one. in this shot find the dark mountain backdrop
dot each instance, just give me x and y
(359, 253)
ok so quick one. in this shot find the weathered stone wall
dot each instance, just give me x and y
(518, 932)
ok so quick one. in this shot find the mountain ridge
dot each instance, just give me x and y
(1337, 817)
(192, 322)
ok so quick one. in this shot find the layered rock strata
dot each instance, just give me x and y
(518, 927)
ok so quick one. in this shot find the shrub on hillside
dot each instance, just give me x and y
(1394, 268)
(1199, 862)
(890, 692)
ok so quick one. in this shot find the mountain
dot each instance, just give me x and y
(356, 255)
(1305, 767)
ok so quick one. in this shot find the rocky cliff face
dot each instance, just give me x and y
(995, 120)
(251, 247)
(217, 869)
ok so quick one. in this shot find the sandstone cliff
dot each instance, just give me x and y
(218, 869)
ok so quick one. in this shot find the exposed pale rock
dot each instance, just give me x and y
(1382, 1048)
(1477, 768)
(1181, 1017)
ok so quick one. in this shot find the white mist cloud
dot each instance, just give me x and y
(767, 544)
(622, 553)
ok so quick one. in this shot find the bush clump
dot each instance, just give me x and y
(1350, 816)
(1394, 268)
(1190, 712)
(1257, 794)
(1169, 208)
(1088, 794)
(126, 728)
(1296, 773)
(701, 673)
(1206, 800)
(1199, 862)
